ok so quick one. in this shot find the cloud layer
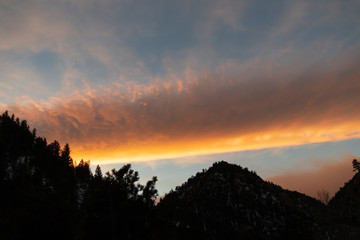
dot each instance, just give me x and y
(260, 104)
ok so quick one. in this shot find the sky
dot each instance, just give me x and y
(173, 86)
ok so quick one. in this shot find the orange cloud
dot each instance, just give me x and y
(227, 110)
(330, 176)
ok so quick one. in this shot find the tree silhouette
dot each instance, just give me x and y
(150, 192)
(356, 165)
(65, 156)
(47, 195)
(54, 148)
(38, 200)
(98, 173)
(82, 171)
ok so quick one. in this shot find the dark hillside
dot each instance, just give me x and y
(227, 201)
(345, 205)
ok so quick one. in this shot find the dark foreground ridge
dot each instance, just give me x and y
(230, 202)
(45, 195)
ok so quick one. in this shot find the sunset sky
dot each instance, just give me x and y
(173, 86)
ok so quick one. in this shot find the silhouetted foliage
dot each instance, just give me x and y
(82, 171)
(65, 156)
(356, 165)
(150, 192)
(98, 173)
(44, 195)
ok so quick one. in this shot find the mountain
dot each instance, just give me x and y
(230, 202)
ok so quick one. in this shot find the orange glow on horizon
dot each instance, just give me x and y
(148, 150)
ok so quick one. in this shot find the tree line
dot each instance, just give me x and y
(45, 194)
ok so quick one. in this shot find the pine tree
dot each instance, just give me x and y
(98, 174)
(356, 165)
(82, 171)
(54, 148)
(149, 192)
(65, 156)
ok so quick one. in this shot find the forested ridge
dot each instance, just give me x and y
(46, 195)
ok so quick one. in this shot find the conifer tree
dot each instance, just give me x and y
(82, 171)
(54, 148)
(356, 165)
(65, 156)
(98, 174)
(149, 192)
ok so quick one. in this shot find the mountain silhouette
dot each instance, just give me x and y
(230, 202)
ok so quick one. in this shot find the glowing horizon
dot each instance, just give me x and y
(138, 153)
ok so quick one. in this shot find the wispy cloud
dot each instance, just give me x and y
(216, 15)
(294, 14)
